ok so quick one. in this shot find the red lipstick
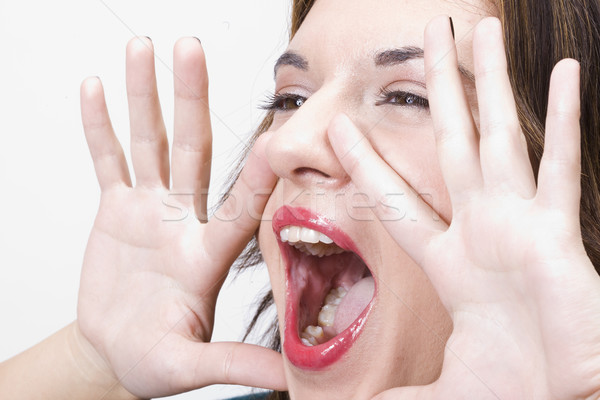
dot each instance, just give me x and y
(322, 355)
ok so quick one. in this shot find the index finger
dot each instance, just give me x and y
(409, 220)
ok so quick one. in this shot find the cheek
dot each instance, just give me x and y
(270, 251)
(413, 155)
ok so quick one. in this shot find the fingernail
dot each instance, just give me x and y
(199, 41)
(452, 28)
(148, 37)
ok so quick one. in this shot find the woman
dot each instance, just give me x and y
(410, 251)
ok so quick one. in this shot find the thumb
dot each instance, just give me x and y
(231, 363)
(233, 225)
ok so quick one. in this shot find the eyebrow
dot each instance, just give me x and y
(292, 59)
(391, 57)
(385, 58)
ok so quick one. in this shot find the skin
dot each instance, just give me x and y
(491, 261)
(481, 264)
(406, 332)
(174, 268)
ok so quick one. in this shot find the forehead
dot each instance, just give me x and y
(350, 29)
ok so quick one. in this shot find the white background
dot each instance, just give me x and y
(49, 194)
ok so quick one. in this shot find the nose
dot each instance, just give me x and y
(300, 151)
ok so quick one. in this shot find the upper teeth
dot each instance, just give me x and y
(294, 234)
(309, 241)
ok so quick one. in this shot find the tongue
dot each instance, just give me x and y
(353, 303)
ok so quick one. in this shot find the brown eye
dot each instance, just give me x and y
(400, 98)
(291, 103)
(410, 99)
(284, 102)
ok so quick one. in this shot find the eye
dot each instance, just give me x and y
(402, 98)
(284, 102)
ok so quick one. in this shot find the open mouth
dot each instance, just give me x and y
(330, 289)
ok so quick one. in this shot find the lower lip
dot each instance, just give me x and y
(314, 358)
(318, 357)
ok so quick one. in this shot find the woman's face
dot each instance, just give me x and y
(386, 326)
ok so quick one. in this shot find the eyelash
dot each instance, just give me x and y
(277, 102)
(406, 99)
(280, 101)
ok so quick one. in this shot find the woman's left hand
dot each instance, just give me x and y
(510, 267)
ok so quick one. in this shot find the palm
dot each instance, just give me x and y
(514, 312)
(134, 288)
(149, 240)
(152, 269)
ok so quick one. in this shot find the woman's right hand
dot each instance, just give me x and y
(153, 266)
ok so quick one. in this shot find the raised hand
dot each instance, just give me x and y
(510, 267)
(150, 278)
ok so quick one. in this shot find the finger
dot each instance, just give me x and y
(560, 168)
(149, 146)
(192, 142)
(453, 124)
(505, 161)
(236, 221)
(107, 154)
(231, 363)
(410, 221)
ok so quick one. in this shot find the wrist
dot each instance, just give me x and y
(63, 366)
(93, 370)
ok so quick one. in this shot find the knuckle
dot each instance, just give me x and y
(490, 71)
(158, 137)
(187, 93)
(500, 128)
(199, 144)
(564, 112)
(196, 92)
(146, 93)
(108, 156)
(93, 125)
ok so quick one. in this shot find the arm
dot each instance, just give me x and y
(63, 366)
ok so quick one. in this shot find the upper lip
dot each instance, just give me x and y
(287, 216)
(317, 357)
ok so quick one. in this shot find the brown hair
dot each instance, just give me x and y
(538, 33)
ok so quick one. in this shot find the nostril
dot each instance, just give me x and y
(303, 171)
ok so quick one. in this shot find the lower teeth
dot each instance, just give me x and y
(314, 335)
